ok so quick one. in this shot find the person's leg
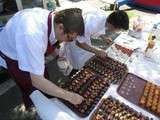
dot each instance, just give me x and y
(23, 81)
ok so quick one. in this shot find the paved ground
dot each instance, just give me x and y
(10, 98)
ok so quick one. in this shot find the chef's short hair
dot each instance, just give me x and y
(71, 19)
(119, 19)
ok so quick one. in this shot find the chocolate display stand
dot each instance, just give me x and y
(92, 81)
(112, 109)
(133, 87)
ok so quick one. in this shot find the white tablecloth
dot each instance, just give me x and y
(53, 109)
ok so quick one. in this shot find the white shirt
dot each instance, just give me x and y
(24, 38)
(94, 21)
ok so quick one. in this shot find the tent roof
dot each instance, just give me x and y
(144, 5)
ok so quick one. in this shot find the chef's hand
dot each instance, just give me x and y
(102, 54)
(74, 98)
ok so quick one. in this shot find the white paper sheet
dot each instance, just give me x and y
(47, 109)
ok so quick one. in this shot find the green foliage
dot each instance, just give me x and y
(132, 14)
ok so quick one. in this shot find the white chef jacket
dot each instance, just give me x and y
(94, 21)
(24, 38)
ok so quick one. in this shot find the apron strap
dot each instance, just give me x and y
(50, 48)
(49, 24)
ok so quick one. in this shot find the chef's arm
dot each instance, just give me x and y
(50, 88)
(92, 49)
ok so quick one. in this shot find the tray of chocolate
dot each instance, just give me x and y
(150, 98)
(142, 93)
(89, 85)
(107, 68)
(124, 49)
(101, 43)
(112, 109)
(119, 53)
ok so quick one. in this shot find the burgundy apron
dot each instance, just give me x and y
(22, 78)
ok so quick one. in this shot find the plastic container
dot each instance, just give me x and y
(64, 66)
(150, 45)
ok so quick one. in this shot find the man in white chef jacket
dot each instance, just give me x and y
(27, 37)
